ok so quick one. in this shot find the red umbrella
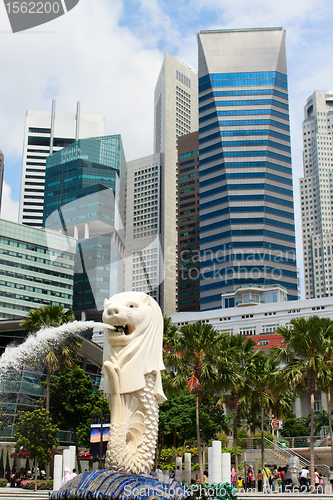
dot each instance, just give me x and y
(84, 456)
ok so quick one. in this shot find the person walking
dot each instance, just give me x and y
(259, 480)
(304, 479)
(266, 474)
(283, 484)
(287, 476)
(67, 476)
(250, 476)
(275, 476)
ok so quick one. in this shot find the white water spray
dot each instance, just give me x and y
(37, 345)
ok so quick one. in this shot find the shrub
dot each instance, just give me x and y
(215, 491)
(41, 485)
(3, 483)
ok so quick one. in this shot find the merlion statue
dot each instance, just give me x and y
(132, 364)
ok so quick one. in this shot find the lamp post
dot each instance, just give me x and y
(101, 442)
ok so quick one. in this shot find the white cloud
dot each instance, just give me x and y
(9, 207)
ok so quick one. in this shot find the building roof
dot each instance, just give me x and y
(266, 341)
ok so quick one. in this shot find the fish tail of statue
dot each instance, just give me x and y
(131, 445)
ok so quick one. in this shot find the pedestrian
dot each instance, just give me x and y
(275, 477)
(266, 474)
(287, 476)
(304, 479)
(283, 484)
(250, 475)
(12, 480)
(233, 477)
(316, 478)
(67, 476)
(259, 480)
(205, 476)
(74, 474)
(177, 473)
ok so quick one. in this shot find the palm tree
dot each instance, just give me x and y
(320, 420)
(190, 355)
(305, 351)
(327, 384)
(237, 362)
(63, 355)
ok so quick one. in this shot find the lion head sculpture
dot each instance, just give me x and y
(134, 342)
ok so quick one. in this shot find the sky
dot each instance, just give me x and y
(107, 54)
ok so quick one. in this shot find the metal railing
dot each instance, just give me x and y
(286, 453)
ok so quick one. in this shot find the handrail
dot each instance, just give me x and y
(290, 452)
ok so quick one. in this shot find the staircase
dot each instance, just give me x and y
(284, 453)
(21, 494)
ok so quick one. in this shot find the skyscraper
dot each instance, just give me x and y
(175, 114)
(144, 270)
(2, 167)
(36, 268)
(188, 223)
(315, 189)
(247, 233)
(85, 186)
(45, 133)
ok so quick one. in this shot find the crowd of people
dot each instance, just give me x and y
(16, 477)
(277, 479)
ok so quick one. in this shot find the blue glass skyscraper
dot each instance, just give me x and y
(247, 233)
(85, 187)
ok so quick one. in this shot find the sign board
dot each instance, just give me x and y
(276, 424)
(95, 439)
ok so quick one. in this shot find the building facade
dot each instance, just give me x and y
(36, 268)
(2, 167)
(175, 114)
(188, 223)
(45, 133)
(315, 189)
(85, 187)
(247, 233)
(144, 270)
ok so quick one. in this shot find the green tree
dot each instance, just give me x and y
(35, 432)
(74, 402)
(190, 355)
(64, 354)
(177, 421)
(61, 355)
(295, 427)
(305, 351)
(237, 365)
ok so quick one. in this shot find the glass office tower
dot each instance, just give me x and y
(247, 233)
(85, 187)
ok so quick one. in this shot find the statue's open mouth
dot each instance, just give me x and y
(119, 330)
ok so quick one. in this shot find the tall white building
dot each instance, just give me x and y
(176, 114)
(144, 270)
(45, 133)
(315, 190)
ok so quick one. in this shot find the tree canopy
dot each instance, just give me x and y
(35, 432)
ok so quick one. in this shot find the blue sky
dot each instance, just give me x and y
(107, 54)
